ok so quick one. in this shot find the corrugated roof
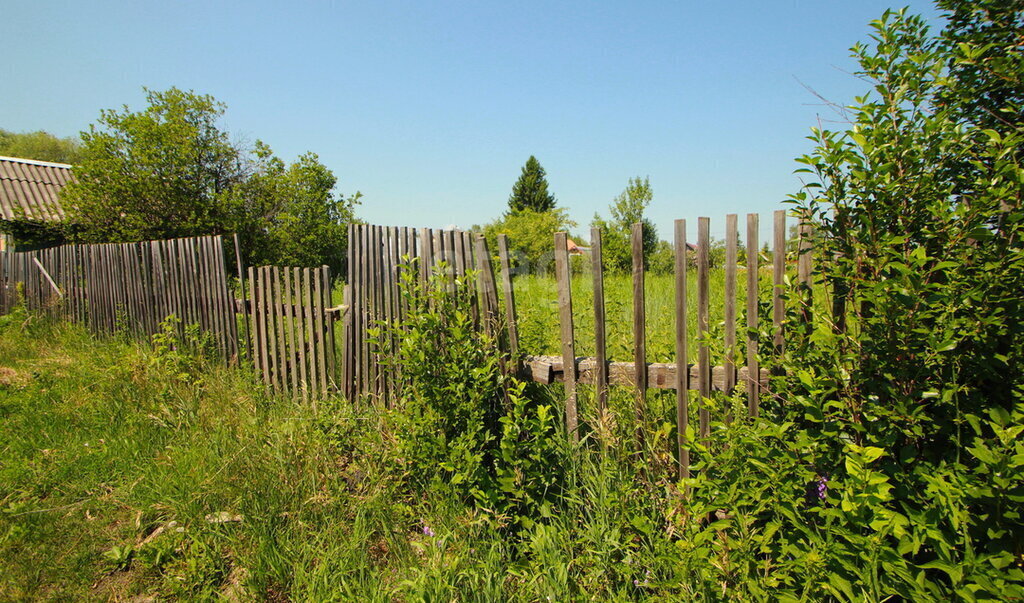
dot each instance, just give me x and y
(29, 189)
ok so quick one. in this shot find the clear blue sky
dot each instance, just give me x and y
(431, 108)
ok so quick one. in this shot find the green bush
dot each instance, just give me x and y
(463, 425)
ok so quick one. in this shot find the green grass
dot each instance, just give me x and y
(114, 455)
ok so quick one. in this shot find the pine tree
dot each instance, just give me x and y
(531, 190)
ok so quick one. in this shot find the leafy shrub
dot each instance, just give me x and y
(462, 424)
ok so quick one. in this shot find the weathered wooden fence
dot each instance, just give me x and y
(292, 330)
(377, 258)
(128, 286)
(701, 377)
(290, 318)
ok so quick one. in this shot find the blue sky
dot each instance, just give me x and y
(431, 109)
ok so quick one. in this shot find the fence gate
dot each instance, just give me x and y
(292, 330)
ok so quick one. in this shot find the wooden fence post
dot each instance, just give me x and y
(563, 277)
(753, 368)
(682, 353)
(600, 343)
(639, 326)
(703, 354)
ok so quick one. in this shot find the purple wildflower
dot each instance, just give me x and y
(822, 487)
(427, 531)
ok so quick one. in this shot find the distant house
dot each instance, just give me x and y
(575, 249)
(29, 198)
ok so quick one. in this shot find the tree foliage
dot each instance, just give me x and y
(530, 192)
(531, 236)
(39, 145)
(616, 234)
(915, 408)
(169, 171)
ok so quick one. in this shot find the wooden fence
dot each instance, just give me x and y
(290, 321)
(700, 376)
(378, 255)
(377, 258)
(292, 330)
(132, 287)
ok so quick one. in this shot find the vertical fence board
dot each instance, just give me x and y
(778, 279)
(319, 314)
(639, 325)
(682, 353)
(325, 277)
(703, 353)
(600, 333)
(563, 278)
(753, 367)
(508, 292)
(731, 260)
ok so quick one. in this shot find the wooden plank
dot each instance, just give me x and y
(659, 375)
(731, 260)
(310, 333)
(347, 349)
(346, 359)
(488, 288)
(257, 352)
(301, 329)
(390, 284)
(281, 331)
(219, 299)
(508, 292)
(703, 354)
(242, 291)
(377, 303)
(325, 276)
(804, 267)
(364, 311)
(289, 321)
(471, 259)
(600, 330)
(778, 280)
(228, 299)
(270, 299)
(804, 264)
(318, 316)
(753, 387)
(204, 256)
(426, 254)
(682, 384)
(563, 278)
(639, 325)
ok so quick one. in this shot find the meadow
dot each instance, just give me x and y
(138, 470)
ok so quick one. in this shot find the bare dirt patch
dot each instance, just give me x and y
(10, 377)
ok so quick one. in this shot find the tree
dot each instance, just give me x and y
(39, 145)
(616, 234)
(989, 70)
(531, 236)
(170, 171)
(921, 235)
(531, 190)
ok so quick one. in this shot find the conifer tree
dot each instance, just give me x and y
(531, 190)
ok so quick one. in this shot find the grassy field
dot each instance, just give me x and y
(131, 470)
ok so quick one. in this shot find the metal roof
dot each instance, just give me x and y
(29, 189)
